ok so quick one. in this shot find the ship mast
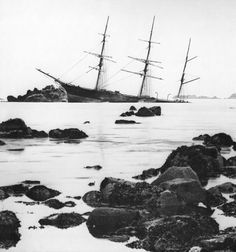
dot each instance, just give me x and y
(182, 80)
(144, 74)
(101, 57)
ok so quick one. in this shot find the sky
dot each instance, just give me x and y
(53, 35)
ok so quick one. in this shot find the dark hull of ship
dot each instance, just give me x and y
(79, 94)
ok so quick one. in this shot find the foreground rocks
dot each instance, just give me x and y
(16, 128)
(47, 94)
(9, 233)
(62, 220)
(71, 133)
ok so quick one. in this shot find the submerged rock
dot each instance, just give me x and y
(9, 233)
(62, 220)
(41, 193)
(206, 162)
(104, 220)
(71, 133)
(16, 128)
(56, 204)
(96, 167)
(125, 122)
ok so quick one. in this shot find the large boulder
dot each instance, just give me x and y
(41, 193)
(105, 221)
(176, 172)
(71, 133)
(188, 190)
(206, 162)
(9, 233)
(219, 140)
(16, 128)
(145, 112)
(63, 220)
(117, 192)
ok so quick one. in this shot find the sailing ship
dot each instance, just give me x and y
(99, 94)
(180, 96)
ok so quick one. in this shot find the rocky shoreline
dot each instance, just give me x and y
(171, 212)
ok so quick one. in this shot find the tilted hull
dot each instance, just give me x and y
(79, 94)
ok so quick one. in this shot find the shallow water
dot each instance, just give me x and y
(122, 150)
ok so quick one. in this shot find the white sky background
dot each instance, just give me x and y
(52, 35)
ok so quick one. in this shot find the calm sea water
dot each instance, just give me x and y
(122, 150)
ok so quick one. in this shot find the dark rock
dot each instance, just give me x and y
(229, 209)
(2, 143)
(169, 199)
(86, 122)
(18, 149)
(16, 128)
(233, 196)
(105, 221)
(47, 94)
(204, 137)
(56, 204)
(13, 124)
(227, 187)
(132, 108)
(93, 198)
(204, 161)
(231, 161)
(143, 111)
(214, 197)
(31, 182)
(15, 190)
(234, 146)
(9, 234)
(3, 195)
(91, 183)
(177, 232)
(128, 113)
(41, 193)
(118, 238)
(71, 133)
(125, 122)
(12, 98)
(152, 172)
(62, 220)
(96, 167)
(229, 172)
(156, 110)
(220, 139)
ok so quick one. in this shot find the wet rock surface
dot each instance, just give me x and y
(9, 233)
(16, 128)
(62, 220)
(41, 193)
(47, 94)
(71, 133)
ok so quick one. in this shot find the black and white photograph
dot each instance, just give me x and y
(118, 125)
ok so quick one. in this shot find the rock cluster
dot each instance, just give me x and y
(47, 94)
(143, 111)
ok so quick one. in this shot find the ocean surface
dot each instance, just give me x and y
(122, 150)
